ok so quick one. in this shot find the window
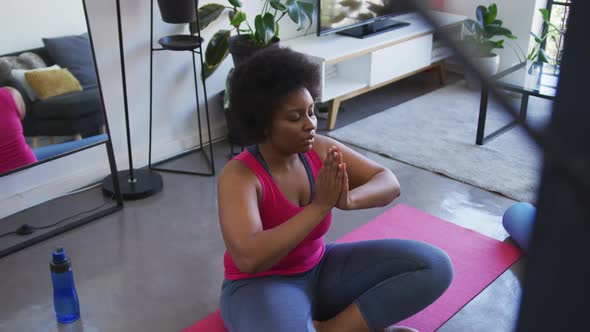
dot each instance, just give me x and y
(559, 11)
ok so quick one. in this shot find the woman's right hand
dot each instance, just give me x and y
(328, 183)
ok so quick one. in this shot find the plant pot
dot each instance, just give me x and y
(234, 133)
(241, 47)
(487, 65)
(178, 11)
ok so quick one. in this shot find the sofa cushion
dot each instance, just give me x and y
(69, 106)
(51, 83)
(19, 76)
(26, 60)
(74, 53)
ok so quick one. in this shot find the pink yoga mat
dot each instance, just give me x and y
(477, 261)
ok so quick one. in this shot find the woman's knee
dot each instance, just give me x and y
(266, 305)
(439, 264)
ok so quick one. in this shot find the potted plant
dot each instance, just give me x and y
(480, 44)
(251, 37)
(247, 39)
(548, 30)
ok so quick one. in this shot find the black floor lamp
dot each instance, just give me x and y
(134, 183)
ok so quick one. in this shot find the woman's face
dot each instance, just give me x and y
(294, 123)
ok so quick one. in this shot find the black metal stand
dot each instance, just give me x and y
(231, 149)
(134, 184)
(193, 45)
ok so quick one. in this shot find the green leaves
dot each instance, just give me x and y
(496, 30)
(276, 4)
(269, 27)
(489, 45)
(237, 19)
(480, 12)
(485, 27)
(490, 16)
(294, 12)
(486, 15)
(300, 11)
(473, 26)
(207, 14)
(216, 51)
(265, 28)
(544, 14)
(235, 3)
(307, 9)
(538, 39)
(542, 56)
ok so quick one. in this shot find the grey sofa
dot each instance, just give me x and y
(77, 113)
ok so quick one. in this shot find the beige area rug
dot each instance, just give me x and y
(437, 132)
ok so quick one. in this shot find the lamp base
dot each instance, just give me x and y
(146, 183)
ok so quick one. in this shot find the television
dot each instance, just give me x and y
(360, 18)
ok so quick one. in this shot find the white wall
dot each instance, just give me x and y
(24, 22)
(517, 16)
(174, 99)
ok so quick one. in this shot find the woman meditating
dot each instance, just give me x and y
(275, 202)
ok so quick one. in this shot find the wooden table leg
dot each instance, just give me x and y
(333, 113)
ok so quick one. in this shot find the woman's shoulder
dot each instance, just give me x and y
(237, 173)
(10, 90)
(238, 177)
(5, 91)
(235, 168)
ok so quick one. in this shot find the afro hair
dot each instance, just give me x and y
(258, 85)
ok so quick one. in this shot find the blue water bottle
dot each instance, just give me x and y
(65, 298)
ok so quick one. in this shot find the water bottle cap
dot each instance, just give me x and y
(59, 255)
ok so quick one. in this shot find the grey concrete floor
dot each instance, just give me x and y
(157, 264)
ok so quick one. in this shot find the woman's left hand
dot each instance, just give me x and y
(345, 200)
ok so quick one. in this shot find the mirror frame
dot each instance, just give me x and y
(103, 109)
(112, 164)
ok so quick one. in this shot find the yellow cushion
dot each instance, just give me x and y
(51, 83)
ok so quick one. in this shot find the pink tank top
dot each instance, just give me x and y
(14, 151)
(275, 209)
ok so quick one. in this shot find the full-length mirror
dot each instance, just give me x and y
(50, 104)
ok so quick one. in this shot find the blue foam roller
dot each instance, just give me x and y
(518, 221)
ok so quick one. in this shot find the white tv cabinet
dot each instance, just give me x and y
(352, 66)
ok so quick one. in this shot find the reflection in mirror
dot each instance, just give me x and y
(341, 13)
(49, 98)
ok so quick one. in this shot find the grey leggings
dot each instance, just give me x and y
(389, 280)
